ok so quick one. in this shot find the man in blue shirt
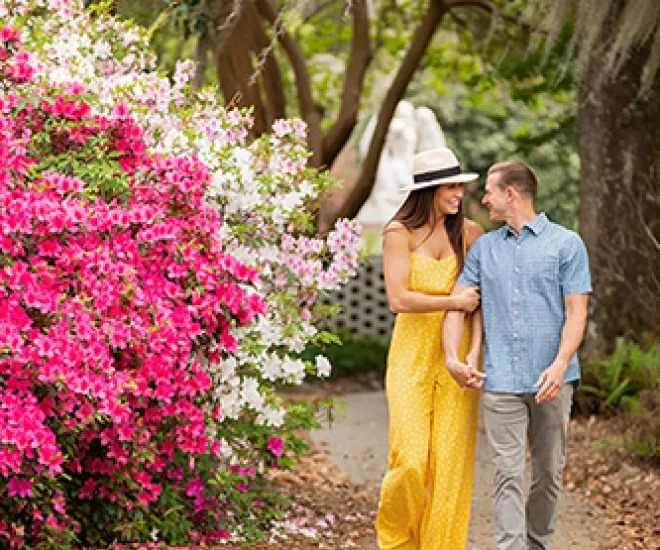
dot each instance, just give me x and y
(534, 281)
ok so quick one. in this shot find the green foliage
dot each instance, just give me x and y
(356, 354)
(625, 373)
(628, 381)
(643, 436)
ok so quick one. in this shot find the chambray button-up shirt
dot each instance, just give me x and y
(523, 281)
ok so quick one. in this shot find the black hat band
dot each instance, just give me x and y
(437, 174)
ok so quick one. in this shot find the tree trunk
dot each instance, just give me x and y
(619, 200)
(202, 60)
(356, 68)
(308, 111)
(233, 49)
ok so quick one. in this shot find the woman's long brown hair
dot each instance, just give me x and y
(419, 210)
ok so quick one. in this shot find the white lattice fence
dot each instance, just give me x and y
(365, 311)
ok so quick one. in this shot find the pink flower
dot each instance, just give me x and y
(20, 487)
(88, 489)
(276, 446)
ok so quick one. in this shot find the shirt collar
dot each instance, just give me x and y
(535, 227)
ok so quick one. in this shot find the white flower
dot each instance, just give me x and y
(306, 189)
(243, 254)
(229, 401)
(66, 49)
(293, 369)
(289, 202)
(225, 449)
(271, 416)
(270, 367)
(228, 369)
(323, 366)
(250, 394)
(102, 50)
(281, 127)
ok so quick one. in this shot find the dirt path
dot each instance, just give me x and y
(357, 442)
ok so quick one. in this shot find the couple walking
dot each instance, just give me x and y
(524, 288)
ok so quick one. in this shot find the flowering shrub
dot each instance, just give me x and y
(156, 271)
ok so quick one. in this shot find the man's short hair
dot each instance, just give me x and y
(517, 175)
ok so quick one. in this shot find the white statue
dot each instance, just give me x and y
(411, 131)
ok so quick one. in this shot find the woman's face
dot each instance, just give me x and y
(448, 198)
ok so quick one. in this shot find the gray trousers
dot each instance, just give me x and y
(510, 419)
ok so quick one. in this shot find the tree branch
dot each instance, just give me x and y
(531, 29)
(320, 8)
(271, 77)
(268, 10)
(356, 68)
(411, 61)
(483, 4)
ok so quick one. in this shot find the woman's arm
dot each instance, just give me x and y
(476, 340)
(396, 264)
(474, 231)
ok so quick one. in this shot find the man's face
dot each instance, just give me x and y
(496, 199)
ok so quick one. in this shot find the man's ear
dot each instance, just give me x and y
(511, 193)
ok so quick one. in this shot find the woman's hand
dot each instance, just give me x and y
(472, 359)
(466, 376)
(467, 300)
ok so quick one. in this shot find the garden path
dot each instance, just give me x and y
(357, 442)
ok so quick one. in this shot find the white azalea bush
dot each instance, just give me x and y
(267, 199)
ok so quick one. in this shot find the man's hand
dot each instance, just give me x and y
(476, 377)
(551, 381)
(466, 376)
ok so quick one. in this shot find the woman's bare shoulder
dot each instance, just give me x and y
(473, 230)
(396, 237)
(394, 225)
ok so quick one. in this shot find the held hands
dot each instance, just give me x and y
(472, 360)
(467, 300)
(467, 376)
(551, 381)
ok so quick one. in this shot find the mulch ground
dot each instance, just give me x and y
(332, 513)
(625, 488)
(329, 511)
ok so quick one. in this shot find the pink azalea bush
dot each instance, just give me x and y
(159, 274)
(105, 304)
(263, 189)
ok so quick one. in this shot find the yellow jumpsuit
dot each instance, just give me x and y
(425, 496)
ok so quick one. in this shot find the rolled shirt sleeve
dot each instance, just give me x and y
(471, 274)
(574, 276)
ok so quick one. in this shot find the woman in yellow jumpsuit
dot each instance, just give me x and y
(426, 493)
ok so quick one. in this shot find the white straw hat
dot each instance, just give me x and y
(437, 167)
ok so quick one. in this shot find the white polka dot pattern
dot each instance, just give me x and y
(426, 493)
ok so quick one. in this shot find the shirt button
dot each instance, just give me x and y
(516, 291)
(515, 335)
(516, 269)
(515, 312)
(517, 246)
(515, 359)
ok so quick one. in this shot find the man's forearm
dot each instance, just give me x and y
(571, 336)
(477, 332)
(452, 334)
